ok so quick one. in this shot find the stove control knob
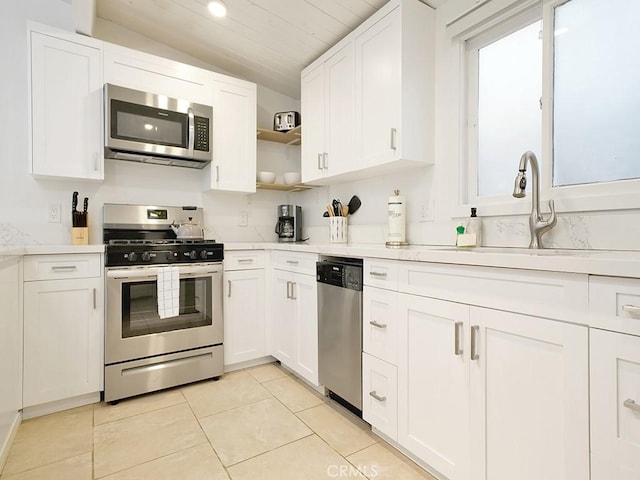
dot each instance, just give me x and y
(193, 255)
(204, 254)
(133, 257)
(170, 256)
(146, 256)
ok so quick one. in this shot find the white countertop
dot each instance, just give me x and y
(595, 262)
(8, 252)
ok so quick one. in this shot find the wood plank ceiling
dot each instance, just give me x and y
(268, 42)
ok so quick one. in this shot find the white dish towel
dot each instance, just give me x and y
(168, 292)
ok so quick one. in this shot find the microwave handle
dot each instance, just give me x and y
(192, 131)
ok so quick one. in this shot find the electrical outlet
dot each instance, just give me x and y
(53, 212)
(244, 219)
(426, 211)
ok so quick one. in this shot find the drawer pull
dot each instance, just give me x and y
(632, 310)
(474, 341)
(245, 260)
(63, 268)
(457, 349)
(375, 395)
(632, 405)
(378, 274)
(95, 302)
(292, 262)
(288, 289)
(229, 289)
(377, 325)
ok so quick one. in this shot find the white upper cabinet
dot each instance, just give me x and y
(65, 90)
(234, 137)
(328, 110)
(394, 85)
(367, 104)
(149, 73)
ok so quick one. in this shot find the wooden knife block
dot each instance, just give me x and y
(79, 235)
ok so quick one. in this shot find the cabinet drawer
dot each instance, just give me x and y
(299, 262)
(380, 323)
(54, 267)
(381, 273)
(561, 296)
(614, 403)
(614, 304)
(380, 395)
(244, 260)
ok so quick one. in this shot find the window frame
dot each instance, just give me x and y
(601, 196)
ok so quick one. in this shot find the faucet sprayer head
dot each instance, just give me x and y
(520, 185)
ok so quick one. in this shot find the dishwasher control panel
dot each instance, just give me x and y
(341, 274)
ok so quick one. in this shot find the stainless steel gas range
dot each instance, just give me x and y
(164, 319)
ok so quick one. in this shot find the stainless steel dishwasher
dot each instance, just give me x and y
(340, 329)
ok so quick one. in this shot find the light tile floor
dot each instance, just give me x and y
(256, 424)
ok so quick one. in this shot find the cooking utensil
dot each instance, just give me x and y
(354, 204)
(74, 211)
(325, 213)
(83, 218)
(330, 210)
(345, 210)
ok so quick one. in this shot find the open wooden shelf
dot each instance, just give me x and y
(292, 137)
(296, 187)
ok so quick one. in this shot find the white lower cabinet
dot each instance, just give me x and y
(615, 405)
(433, 383)
(529, 397)
(380, 395)
(379, 360)
(244, 316)
(491, 395)
(295, 322)
(63, 325)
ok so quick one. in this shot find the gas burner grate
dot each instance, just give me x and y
(159, 242)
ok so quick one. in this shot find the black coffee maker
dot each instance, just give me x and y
(289, 224)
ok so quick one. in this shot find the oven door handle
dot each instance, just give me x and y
(153, 272)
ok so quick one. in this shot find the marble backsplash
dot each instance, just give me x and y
(583, 232)
(612, 231)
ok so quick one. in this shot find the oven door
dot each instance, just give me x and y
(133, 327)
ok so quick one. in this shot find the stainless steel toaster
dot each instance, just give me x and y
(285, 121)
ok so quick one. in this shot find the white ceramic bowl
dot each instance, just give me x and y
(266, 177)
(291, 177)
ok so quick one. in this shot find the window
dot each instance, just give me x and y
(596, 102)
(570, 94)
(505, 118)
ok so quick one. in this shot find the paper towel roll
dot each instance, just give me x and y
(397, 214)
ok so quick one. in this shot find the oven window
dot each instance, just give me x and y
(140, 307)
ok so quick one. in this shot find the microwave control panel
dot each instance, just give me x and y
(201, 142)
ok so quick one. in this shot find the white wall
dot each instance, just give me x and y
(24, 199)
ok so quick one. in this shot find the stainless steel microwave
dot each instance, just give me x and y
(150, 128)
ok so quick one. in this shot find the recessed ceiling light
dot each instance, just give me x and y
(217, 8)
